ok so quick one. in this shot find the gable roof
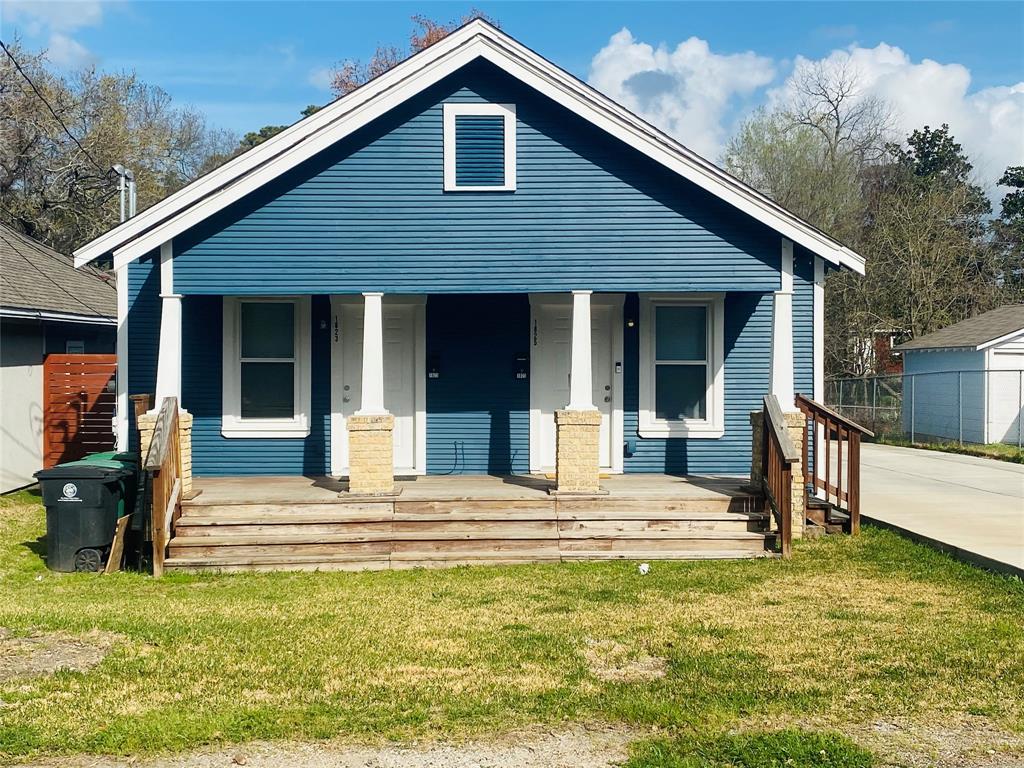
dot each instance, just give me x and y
(37, 281)
(976, 333)
(477, 39)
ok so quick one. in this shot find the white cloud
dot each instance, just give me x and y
(58, 19)
(989, 123)
(62, 16)
(321, 78)
(698, 95)
(68, 53)
(689, 92)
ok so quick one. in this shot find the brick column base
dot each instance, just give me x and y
(577, 452)
(795, 426)
(371, 455)
(147, 421)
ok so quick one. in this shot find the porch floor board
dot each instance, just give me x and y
(302, 523)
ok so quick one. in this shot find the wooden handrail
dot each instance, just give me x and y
(163, 462)
(777, 458)
(831, 433)
(804, 403)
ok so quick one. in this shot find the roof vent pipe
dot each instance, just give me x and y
(126, 188)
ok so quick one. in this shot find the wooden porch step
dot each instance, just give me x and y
(329, 532)
(708, 554)
(279, 562)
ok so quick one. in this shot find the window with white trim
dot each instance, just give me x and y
(479, 147)
(266, 367)
(681, 361)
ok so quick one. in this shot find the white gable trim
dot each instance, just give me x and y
(1004, 338)
(477, 39)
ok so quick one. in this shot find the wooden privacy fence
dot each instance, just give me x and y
(79, 401)
(832, 443)
(777, 458)
(163, 463)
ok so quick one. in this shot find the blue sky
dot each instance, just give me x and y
(246, 64)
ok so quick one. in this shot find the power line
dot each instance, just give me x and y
(53, 112)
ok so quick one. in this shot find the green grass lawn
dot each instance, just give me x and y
(1001, 451)
(760, 658)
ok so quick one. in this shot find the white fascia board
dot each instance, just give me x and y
(293, 156)
(477, 39)
(1001, 339)
(621, 123)
(262, 153)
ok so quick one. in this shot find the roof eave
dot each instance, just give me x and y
(234, 179)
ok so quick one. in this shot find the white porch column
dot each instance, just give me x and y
(578, 426)
(372, 402)
(581, 374)
(168, 367)
(371, 456)
(782, 333)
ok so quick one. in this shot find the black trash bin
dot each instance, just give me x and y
(84, 500)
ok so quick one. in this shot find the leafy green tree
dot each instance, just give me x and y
(61, 133)
(1009, 234)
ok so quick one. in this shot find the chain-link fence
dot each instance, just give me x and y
(979, 406)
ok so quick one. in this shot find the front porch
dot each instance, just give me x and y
(312, 523)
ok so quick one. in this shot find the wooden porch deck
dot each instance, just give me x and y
(309, 523)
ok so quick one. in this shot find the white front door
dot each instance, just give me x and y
(403, 379)
(550, 359)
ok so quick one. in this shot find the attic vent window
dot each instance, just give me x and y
(479, 147)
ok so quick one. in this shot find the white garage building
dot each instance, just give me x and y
(966, 382)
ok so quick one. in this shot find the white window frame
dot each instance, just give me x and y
(713, 426)
(232, 423)
(508, 112)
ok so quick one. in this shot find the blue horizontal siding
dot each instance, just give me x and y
(748, 333)
(143, 332)
(803, 322)
(478, 412)
(370, 213)
(212, 453)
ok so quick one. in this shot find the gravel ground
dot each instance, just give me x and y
(572, 748)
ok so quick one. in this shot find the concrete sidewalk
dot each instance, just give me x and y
(970, 506)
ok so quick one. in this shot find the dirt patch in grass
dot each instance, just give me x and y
(43, 653)
(578, 746)
(614, 662)
(972, 742)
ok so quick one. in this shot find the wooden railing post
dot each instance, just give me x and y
(163, 462)
(779, 456)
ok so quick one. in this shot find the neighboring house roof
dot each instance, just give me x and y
(977, 333)
(475, 40)
(37, 281)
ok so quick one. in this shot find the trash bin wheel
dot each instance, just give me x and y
(88, 560)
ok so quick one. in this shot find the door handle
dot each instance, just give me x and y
(345, 399)
(607, 399)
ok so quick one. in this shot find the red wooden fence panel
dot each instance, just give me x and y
(79, 398)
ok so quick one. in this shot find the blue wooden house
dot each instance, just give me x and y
(473, 266)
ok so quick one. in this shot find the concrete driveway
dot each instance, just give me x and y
(972, 506)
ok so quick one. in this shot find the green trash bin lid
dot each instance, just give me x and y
(122, 457)
(86, 470)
